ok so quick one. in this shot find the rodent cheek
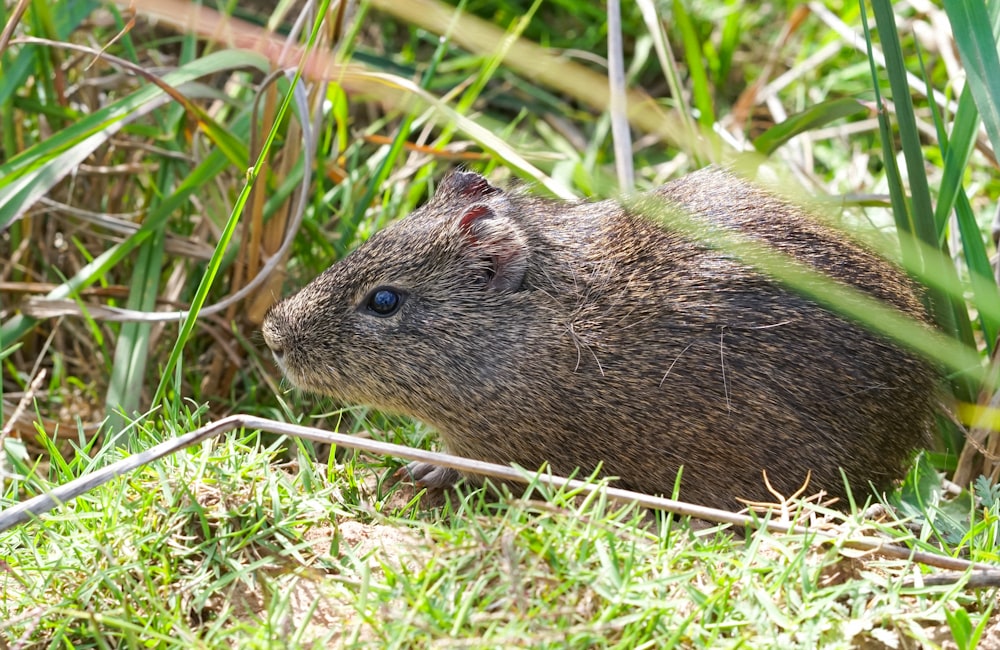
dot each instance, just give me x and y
(368, 334)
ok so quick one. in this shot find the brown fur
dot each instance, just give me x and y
(580, 334)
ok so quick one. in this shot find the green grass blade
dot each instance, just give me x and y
(132, 344)
(920, 195)
(984, 284)
(960, 144)
(900, 208)
(923, 256)
(222, 247)
(700, 89)
(980, 92)
(947, 307)
(973, 31)
(957, 151)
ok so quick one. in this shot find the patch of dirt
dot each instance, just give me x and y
(322, 604)
(315, 612)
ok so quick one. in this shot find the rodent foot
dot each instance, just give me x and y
(428, 475)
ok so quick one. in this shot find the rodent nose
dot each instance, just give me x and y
(274, 343)
(277, 351)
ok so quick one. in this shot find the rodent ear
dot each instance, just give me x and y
(467, 185)
(500, 243)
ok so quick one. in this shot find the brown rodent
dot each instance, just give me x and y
(526, 330)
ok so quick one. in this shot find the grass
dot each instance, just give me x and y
(120, 188)
(238, 542)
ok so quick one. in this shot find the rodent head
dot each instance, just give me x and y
(417, 313)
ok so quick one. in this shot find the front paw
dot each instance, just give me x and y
(428, 475)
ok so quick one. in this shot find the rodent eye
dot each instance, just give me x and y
(384, 301)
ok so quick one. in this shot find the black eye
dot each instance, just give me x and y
(384, 301)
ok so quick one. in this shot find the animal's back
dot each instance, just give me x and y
(677, 354)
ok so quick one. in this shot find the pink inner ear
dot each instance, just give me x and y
(472, 215)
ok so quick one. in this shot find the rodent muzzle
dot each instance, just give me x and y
(274, 340)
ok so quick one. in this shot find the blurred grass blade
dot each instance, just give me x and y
(984, 284)
(841, 298)
(392, 154)
(814, 117)
(550, 69)
(980, 92)
(621, 135)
